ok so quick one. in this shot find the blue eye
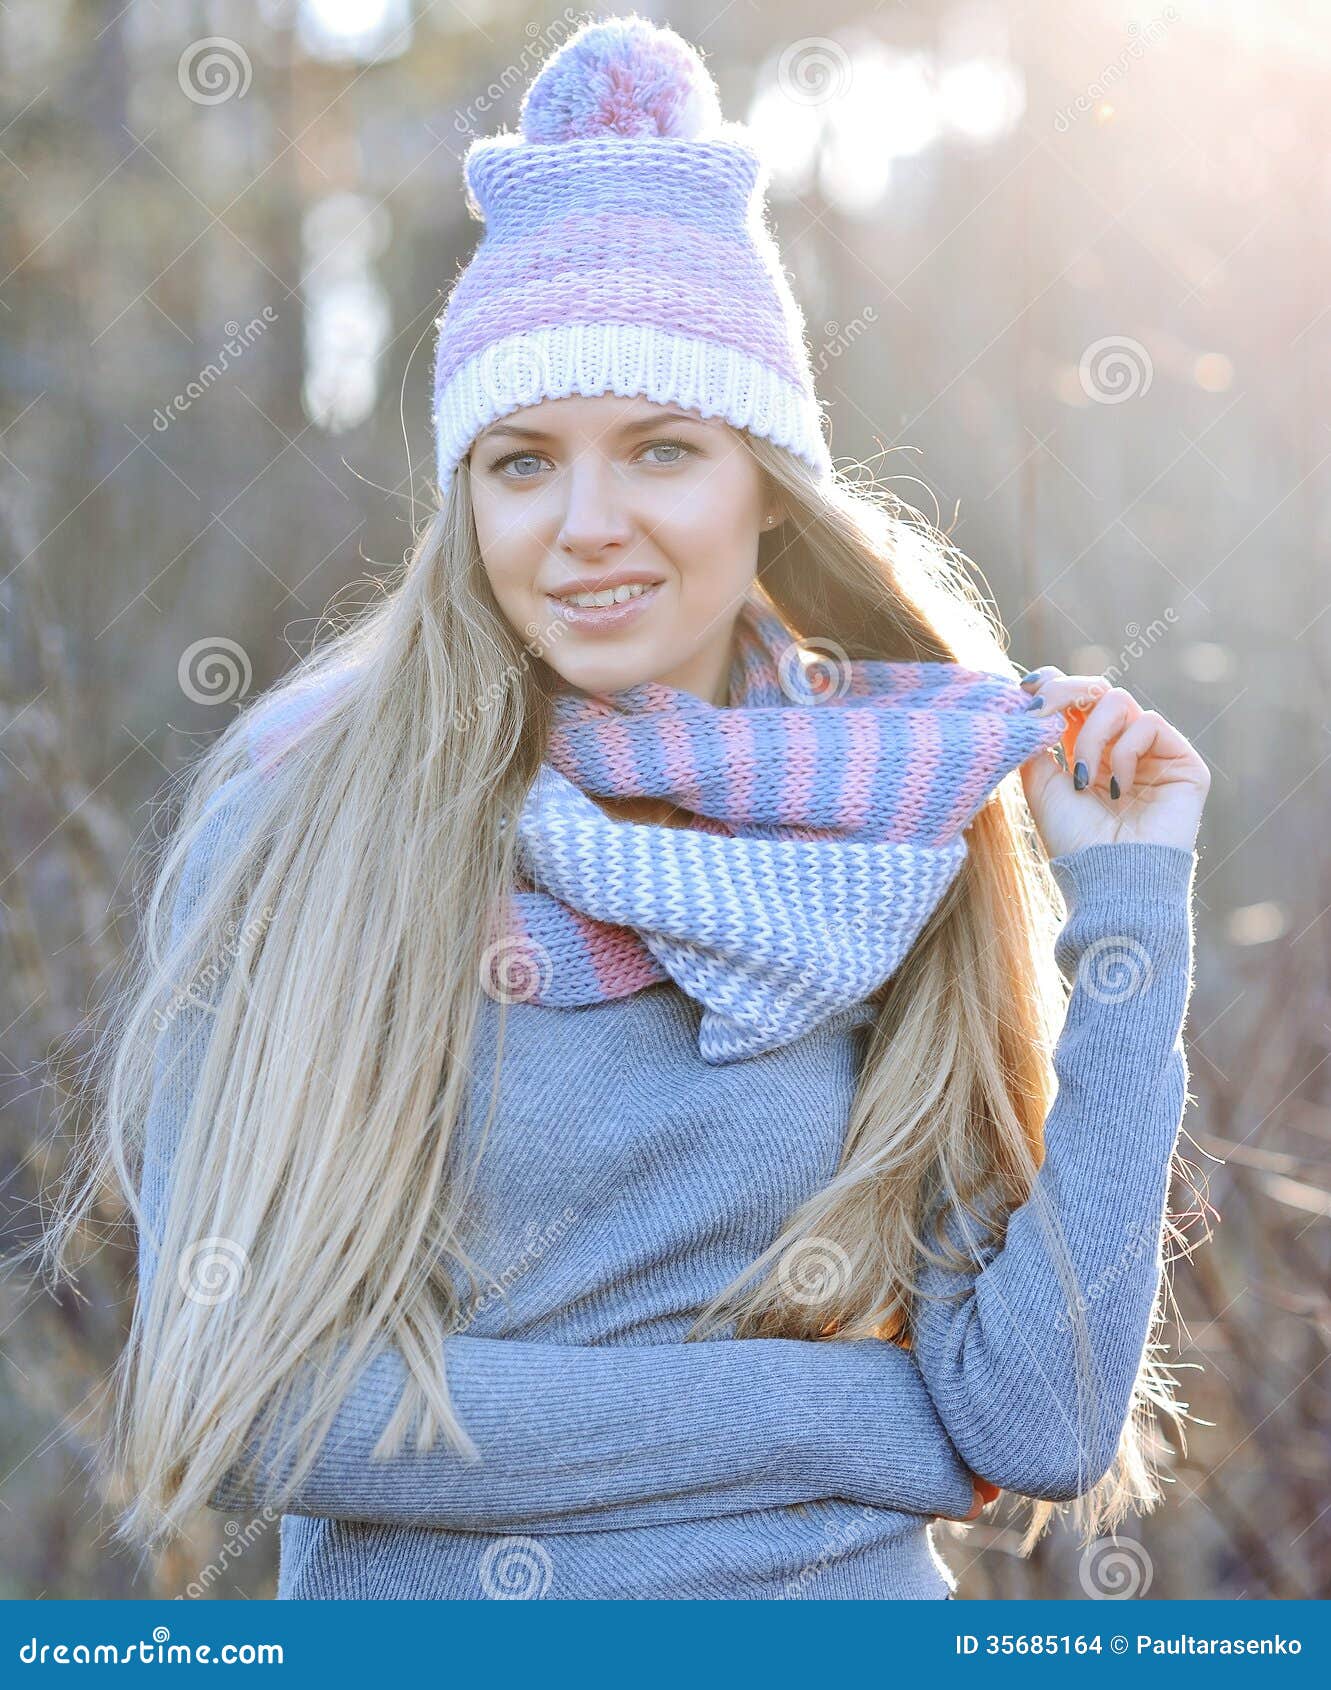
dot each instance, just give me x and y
(682, 447)
(514, 457)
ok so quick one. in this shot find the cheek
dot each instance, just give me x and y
(510, 548)
(717, 507)
(712, 536)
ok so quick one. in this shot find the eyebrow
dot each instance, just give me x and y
(639, 426)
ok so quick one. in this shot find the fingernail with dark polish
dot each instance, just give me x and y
(1113, 786)
(1080, 777)
(1026, 680)
(1034, 703)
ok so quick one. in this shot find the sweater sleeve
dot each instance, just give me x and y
(997, 1345)
(584, 1437)
(593, 1437)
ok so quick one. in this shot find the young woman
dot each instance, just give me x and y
(602, 1100)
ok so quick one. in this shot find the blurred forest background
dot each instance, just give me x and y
(1065, 271)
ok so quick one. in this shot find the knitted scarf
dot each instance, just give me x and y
(827, 813)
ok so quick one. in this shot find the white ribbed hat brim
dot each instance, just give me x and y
(559, 360)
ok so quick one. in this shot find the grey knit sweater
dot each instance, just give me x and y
(624, 1182)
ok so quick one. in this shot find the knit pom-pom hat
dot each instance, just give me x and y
(625, 251)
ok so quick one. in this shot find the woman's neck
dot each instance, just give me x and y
(656, 811)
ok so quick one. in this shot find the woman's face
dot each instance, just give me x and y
(591, 493)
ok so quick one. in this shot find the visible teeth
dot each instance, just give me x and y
(609, 595)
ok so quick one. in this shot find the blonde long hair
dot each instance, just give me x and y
(313, 1147)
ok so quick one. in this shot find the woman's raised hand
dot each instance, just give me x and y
(1133, 776)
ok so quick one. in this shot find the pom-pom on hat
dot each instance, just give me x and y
(625, 251)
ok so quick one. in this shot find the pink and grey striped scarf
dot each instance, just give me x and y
(829, 801)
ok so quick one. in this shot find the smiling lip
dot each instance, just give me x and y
(608, 616)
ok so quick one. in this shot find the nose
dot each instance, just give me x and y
(595, 518)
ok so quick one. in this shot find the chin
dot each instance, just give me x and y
(603, 663)
(601, 676)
